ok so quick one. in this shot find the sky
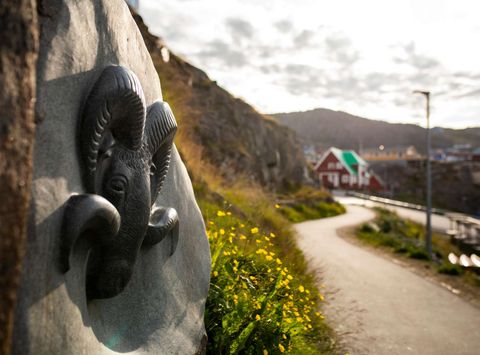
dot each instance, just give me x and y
(362, 57)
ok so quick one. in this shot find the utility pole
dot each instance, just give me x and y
(428, 236)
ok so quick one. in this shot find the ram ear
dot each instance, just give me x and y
(115, 110)
(160, 130)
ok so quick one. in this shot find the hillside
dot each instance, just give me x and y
(221, 131)
(335, 128)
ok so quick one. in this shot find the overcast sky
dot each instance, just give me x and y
(363, 57)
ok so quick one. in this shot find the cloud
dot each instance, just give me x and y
(469, 93)
(221, 51)
(418, 61)
(303, 39)
(284, 26)
(340, 49)
(239, 29)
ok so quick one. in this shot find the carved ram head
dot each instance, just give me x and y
(125, 150)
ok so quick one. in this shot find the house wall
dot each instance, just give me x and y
(330, 173)
(375, 185)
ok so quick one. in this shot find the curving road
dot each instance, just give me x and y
(439, 223)
(377, 306)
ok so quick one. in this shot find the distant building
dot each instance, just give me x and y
(310, 154)
(345, 169)
(391, 154)
(459, 152)
(476, 155)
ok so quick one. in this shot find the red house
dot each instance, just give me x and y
(345, 169)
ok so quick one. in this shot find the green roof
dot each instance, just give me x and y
(348, 158)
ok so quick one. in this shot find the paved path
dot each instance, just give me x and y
(377, 306)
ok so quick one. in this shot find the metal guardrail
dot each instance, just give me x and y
(388, 201)
(464, 230)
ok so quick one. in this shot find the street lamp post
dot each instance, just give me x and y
(428, 237)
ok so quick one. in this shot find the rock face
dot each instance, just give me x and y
(231, 135)
(18, 55)
(161, 309)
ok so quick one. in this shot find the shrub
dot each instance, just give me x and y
(256, 304)
(417, 253)
(449, 269)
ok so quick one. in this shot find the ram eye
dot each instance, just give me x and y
(117, 184)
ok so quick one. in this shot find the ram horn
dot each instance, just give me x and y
(116, 103)
(90, 214)
(162, 222)
(160, 130)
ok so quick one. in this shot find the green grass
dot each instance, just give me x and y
(406, 237)
(257, 304)
(308, 203)
(301, 212)
(262, 299)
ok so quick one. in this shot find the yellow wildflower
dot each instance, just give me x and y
(254, 230)
(229, 213)
(272, 235)
(301, 288)
(277, 205)
(222, 231)
(279, 262)
(220, 213)
(265, 352)
(242, 237)
(215, 273)
(281, 348)
(257, 317)
(269, 258)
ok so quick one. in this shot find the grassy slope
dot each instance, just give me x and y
(278, 282)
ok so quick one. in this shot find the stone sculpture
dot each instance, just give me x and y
(161, 307)
(126, 153)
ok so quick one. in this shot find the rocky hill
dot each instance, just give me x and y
(326, 128)
(221, 132)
